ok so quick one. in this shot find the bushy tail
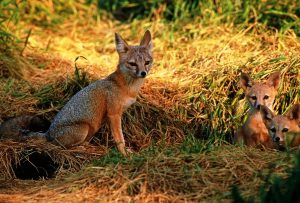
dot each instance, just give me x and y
(22, 127)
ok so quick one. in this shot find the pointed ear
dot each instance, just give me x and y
(294, 113)
(246, 81)
(274, 80)
(146, 40)
(266, 114)
(121, 44)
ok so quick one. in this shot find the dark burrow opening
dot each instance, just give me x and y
(35, 165)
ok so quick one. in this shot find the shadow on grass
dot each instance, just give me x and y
(275, 189)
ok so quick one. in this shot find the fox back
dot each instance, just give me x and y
(283, 129)
(254, 132)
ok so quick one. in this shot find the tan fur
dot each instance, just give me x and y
(105, 99)
(283, 128)
(254, 132)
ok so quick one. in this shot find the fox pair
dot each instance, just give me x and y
(262, 126)
(106, 99)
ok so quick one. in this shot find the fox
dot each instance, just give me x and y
(283, 129)
(254, 132)
(103, 100)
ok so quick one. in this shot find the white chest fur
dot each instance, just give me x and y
(128, 101)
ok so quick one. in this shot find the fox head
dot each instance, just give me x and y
(260, 93)
(135, 60)
(279, 125)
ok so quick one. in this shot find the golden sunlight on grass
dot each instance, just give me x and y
(181, 127)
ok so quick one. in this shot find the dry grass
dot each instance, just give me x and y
(191, 94)
(160, 176)
(14, 153)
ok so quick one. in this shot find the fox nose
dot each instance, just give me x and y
(277, 139)
(258, 106)
(143, 74)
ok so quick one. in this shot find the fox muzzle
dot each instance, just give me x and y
(142, 74)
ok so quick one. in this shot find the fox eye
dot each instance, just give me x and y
(273, 130)
(147, 63)
(284, 130)
(266, 97)
(254, 97)
(132, 64)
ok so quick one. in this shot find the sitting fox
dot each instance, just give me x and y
(106, 99)
(283, 129)
(254, 131)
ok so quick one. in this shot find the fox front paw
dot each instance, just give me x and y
(127, 152)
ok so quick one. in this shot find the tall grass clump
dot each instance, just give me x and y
(15, 16)
(48, 13)
(283, 15)
(276, 189)
(10, 63)
(6, 15)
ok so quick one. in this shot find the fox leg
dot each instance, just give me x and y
(68, 136)
(239, 137)
(116, 130)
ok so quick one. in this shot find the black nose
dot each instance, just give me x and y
(277, 139)
(258, 106)
(143, 74)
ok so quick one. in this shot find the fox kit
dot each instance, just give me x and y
(254, 132)
(106, 99)
(281, 125)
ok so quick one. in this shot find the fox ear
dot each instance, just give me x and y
(121, 44)
(274, 79)
(245, 81)
(266, 114)
(294, 113)
(146, 40)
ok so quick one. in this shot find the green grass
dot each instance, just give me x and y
(184, 172)
(182, 124)
(275, 188)
(281, 15)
